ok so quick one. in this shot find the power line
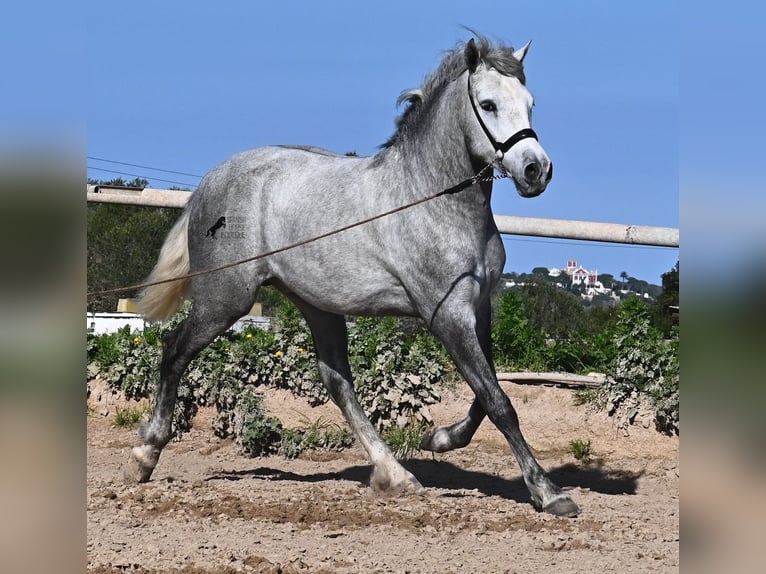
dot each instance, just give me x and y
(144, 166)
(192, 185)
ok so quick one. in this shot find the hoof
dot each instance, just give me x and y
(562, 506)
(140, 464)
(436, 440)
(383, 483)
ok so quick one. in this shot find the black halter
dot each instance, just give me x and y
(502, 148)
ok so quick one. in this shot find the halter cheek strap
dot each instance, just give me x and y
(500, 148)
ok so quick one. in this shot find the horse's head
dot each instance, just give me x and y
(500, 125)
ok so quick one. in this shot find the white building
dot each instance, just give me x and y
(579, 275)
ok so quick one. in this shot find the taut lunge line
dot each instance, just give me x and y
(479, 177)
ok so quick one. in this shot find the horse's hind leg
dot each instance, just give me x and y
(458, 435)
(180, 346)
(331, 343)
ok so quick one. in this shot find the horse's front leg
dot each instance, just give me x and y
(458, 325)
(331, 343)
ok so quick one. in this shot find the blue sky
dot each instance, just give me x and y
(181, 86)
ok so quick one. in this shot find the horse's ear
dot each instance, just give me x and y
(521, 52)
(471, 55)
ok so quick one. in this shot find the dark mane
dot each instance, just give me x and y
(498, 56)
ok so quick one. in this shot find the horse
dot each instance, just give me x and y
(438, 260)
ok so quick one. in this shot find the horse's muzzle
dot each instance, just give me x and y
(534, 181)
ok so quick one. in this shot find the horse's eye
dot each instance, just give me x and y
(488, 106)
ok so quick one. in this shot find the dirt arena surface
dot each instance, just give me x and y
(208, 509)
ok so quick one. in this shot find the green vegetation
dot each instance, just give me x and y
(525, 337)
(128, 417)
(123, 242)
(396, 373)
(661, 313)
(634, 344)
(320, 434)
(585, 396)
(404, 441)
(580, 449)
(645, 370)
(398, 367)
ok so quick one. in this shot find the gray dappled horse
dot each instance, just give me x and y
(439, 260)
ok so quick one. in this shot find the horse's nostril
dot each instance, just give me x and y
(532, 172)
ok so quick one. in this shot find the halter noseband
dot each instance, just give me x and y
(500, 148)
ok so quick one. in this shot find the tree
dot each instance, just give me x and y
(663, 308)
(514, 342)
(638, 285)
(607, 280)
(123, 244)
(624, 276)
(553, 312)
(119, 182)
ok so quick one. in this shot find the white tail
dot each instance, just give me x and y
(159, 302)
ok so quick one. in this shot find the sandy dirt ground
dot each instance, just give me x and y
(208, 509)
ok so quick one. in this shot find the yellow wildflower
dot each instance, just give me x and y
(137, 340)
(278, 353)
(300, 349)
(249, 336)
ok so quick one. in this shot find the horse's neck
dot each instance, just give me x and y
(436, 157)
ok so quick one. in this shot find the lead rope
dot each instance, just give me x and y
(477, 178)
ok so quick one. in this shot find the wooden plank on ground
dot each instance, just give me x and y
(593, 380)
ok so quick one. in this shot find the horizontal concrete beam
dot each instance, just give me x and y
(148, 197)
(588, 230)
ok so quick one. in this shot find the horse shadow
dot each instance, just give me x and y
(446, 476)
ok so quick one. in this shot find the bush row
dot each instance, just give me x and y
(397, 372)
(398, 368)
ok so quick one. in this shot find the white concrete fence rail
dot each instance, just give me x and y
(506, 224)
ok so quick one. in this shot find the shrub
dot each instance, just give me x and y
(129, 363)
(318, 435)
(585, 397)
(102, 350)
(283, 358)
(404, 441)
(642, 364)
(525, 336)
(584, 352)
(396, 374)
(580, 449)
(646, 370)
(128, 418)
(257, 433)
(515, 343)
